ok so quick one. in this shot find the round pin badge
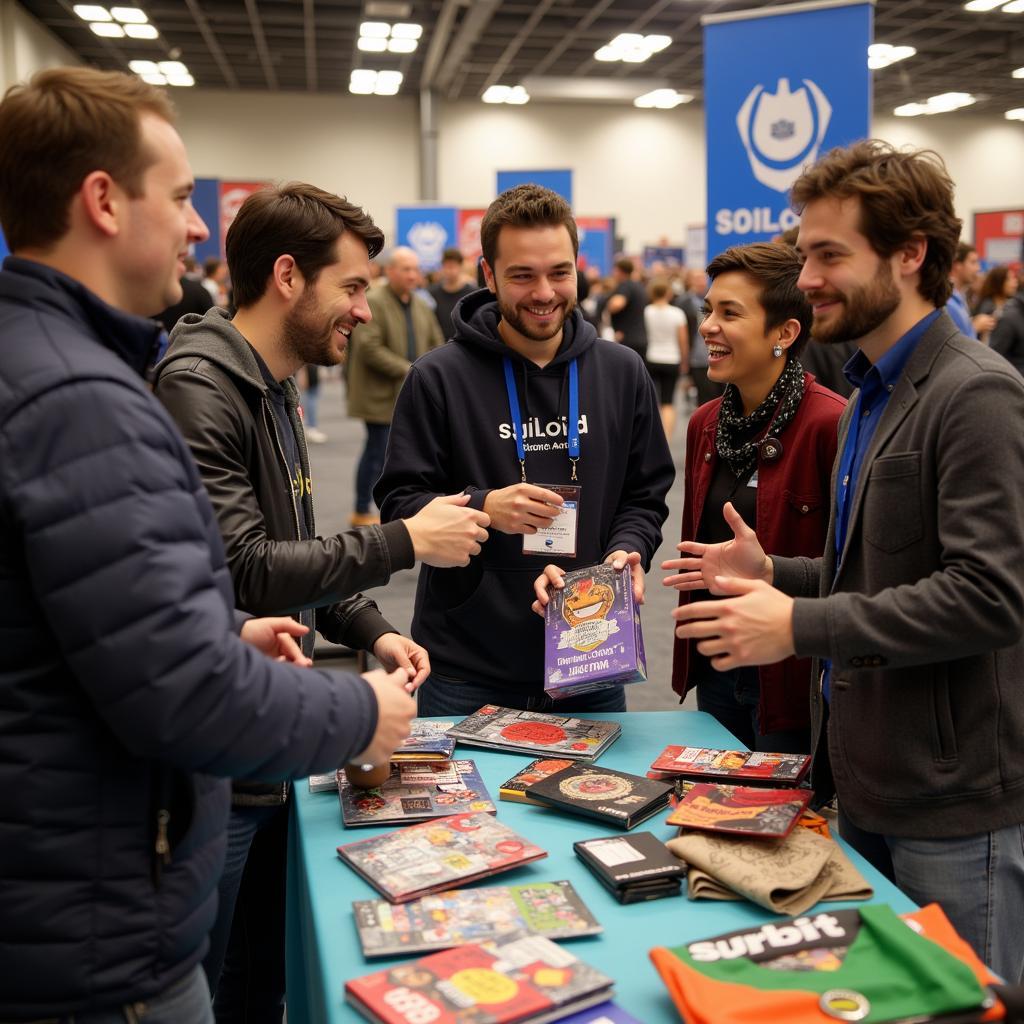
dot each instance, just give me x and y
(844, 1004)
(770, 449)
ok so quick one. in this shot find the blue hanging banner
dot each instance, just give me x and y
(782, 86)
(428, 231)
(557, 181)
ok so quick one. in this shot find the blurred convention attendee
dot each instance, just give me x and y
(215, 279)
(1007, 337)
(691, 302)
(915, 611)
(194, 299)
(668, 349)
(127, 696)
(964, 277)
(625, 307)
(762, 452)
(382, 351)
(490, 413)
(1000, 285)
(299, 261)
(451, 286)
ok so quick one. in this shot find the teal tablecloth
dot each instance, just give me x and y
(323, 951)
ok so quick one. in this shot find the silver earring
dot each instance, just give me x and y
(777, 351)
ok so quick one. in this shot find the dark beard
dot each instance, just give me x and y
(864, 309)
(308, 336)
(511, 316)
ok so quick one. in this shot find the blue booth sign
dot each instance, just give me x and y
(428, 231)
(802, 87)
(557, 181)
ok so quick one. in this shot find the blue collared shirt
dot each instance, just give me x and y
(961, 315)
(876, 383)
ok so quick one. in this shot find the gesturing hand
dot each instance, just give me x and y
(522, 508)
(274, 637)
(742, 557)
(395, 712)
(445, 533)
(395, 651)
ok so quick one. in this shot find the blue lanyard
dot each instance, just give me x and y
(518, 428)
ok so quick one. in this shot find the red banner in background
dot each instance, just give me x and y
(999, 236)
(469, 235)
(231, 195)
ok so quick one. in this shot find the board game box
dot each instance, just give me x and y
(534, 732)
(436, 855)
(414, 792)
(592, 634)
(460, 916)
(515, 788)
(523, 980)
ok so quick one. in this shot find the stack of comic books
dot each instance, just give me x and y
(461, 916)
(592, 634)
(750, 767)
(415, 792)
(437, 855)
(523, 980)
(533, 732)
(633, 868)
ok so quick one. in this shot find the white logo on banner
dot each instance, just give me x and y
(428, 238)
(782, 131)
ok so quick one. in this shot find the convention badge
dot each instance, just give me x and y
(560, 537)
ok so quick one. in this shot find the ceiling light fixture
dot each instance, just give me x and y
(632, 48)
(514, 94)
(983, 5)
(662, 99)
(1014, 7)
(881, 55)
(367, 82)
(107, 29)
(1018, 73)
(1017, 114)
(129, 15)
(372, 44)
(941, 104)
(378, 36)
(141, 31)
(92, 12)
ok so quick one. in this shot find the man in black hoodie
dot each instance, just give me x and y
(519, 344)
(299, 261)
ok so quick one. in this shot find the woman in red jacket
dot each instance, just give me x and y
(766, 447)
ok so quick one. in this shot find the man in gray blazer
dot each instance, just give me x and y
(915, 610)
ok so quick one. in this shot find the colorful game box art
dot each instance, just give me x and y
(740, 810)
(592, 634)
(437, 855)
(517, 981)
(428, 741)
(754, 767)
(416, 792)
(534, 732)
(461, 916)
(515, 788)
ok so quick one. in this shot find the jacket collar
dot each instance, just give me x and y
(134, 339)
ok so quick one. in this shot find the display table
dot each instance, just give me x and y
(324, 952)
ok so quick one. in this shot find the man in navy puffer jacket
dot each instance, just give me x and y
(127, 697)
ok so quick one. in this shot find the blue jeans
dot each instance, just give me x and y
(732, 699)
(371, 463)
(245, 964)
(187, 1001)
(441, 695)
(978, 881)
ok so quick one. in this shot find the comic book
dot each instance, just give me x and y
(515, 788)
(534, 732)
(461, 916)
(754, 767)
(437, 855)
(741, 810)
(592, 634)
(415, 792)
(616, 798)
(523, 980)
(428, 741)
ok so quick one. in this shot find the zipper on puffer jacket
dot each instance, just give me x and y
(161, 837)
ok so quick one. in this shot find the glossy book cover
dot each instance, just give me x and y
(437, 855)
(592, 634)
(742, 810)
(526, 979)
(415, 792)
(746, 765)
(461, 916)
(534, 732)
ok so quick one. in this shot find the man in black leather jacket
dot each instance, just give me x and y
(299, 264)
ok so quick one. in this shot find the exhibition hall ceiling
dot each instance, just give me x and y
(546, 45)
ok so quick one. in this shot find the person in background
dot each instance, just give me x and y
(130, 689)
(668, 349)
(691, 302)
(1007, 337)
(451, 286)
(1000, 285)
(763, 452)
(215, 279)
(382, 350)
(964, 278)
(194, 299)
(625, 307)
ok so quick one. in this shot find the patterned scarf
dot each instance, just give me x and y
(737, 435)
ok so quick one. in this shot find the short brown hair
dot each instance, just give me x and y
(298, 220)
(963, 250)
(774, 267)
(59, 128)
(903, 195)
(625, 264)
(658, 289)
(525, 206)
